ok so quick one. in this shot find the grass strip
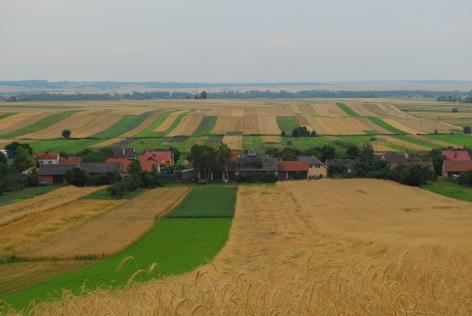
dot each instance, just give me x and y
(379, 122)
(209, 201)
(287, 124)
(39, 125)
(124, 125)
(450, 189)
(5, 115)
(174, 124)
(415, 141)
(150, 130)
(347, 109)
(206, 126)
(460, 140)
(25, 193)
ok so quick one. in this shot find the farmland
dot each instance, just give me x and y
(174, 244)
(164, 123)
(319, 247)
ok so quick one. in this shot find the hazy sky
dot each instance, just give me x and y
(235, 41)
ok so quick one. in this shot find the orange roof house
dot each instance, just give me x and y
(165, 158)
(454, 168)
(456, 155)
(47, 158)
(123, 162)
(295, 169)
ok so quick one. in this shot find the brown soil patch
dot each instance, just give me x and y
(234, 142)
(115, 230)
(349, 247)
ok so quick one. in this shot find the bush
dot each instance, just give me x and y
(77, 177)
(466, 179)
(414, 175)
(467, 130)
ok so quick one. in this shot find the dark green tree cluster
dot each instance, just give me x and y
(19, 159)
(209, 161)
(302, 131)
(466, 179)
(95, 155)
(467, 130)
(79, 177)
(137, 179)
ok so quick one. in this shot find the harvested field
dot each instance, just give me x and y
(228, 124)
(251, 122)
(21, 120)
(403, 143)
(81, 124)
(328, 110)
(341, 125)
(188, 125)
(23, 236)
(234, 142)
(267, 124)
(395, 123)
(127, 222)
(319, 248)
(46, 202)
(141, 127)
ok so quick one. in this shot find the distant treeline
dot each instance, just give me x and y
(253, 94)
(455, 98)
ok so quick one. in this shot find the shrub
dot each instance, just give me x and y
(77, 177)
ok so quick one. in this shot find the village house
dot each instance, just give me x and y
(123, 162)
(453, 169)
(394, 159)
(462, 155)
(54, 174)
(155, 160)
(69, 160)
(293, 170)
(253, 164)
(47, 158)
(129, 153)
(317, 169)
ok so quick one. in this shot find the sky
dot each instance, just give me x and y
(235, 41)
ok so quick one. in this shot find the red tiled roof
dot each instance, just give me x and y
(234, 155)
(456, 155)
(293, 166)
(149, 164)
(163, 157)
(70, 160)
(124, 163)
(47, 155)
(457, 165)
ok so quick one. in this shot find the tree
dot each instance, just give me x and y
(203, 95)
(66, 133)
(455, 110)
(327, 152)
(13, 147)
(203, 159)
(77, 177)
(176, 152)
(313, 134)
(352, 151)
(223, 156)
(283, 134)
(438, 159)
(23, 159)
(467, 130)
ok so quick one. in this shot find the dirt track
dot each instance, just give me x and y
(326, 247)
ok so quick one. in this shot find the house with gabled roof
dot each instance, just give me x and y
(295, 169)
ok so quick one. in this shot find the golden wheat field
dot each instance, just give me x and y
(330, 247)
(112, 231)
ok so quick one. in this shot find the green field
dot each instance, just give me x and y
(176, 244)
(209, 201)
(25, 193)
(385, 125)
(39, 125)
(347, 109)
(174, 124)
(287, 124)
(124, 125)
(150, 130)
(450, 189)
(206, 126)
(416, 141)
(460, 140)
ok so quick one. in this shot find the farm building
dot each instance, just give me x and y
(317, 168)
(48, 158)
(123, 162)
(253, 164)
(454, 168)
(456, 155)
(394, 159)
(295, 169)
(69, 160)
(53, 174)
(129, 153)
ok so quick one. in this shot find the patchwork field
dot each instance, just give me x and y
(320, 247)
(160, 123)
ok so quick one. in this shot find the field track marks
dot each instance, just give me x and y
(45, 202)
(114, 230)
(24, 235)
